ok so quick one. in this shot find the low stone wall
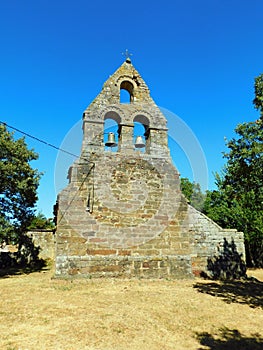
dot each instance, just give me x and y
(208, 240)
(45, 240)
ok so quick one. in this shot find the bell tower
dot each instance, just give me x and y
(122, 213)
(140, 108)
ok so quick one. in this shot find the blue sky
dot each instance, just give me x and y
(199, 59)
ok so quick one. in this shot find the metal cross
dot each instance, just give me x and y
(127, 54)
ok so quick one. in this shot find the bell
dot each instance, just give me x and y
(111, 140)
(139, 143)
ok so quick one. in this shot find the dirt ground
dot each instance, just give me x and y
(38, 312)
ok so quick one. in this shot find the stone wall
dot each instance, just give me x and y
(122, 213)
(116, 265)
(45, 241)
(207, 240)
(125, 217)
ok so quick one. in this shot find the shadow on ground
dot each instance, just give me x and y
(230, 339)
(15, 271)
(249, 292)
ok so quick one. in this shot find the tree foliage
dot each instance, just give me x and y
(41, 222)
(192, 192)
(18, 186)
(238, 203)
(258, 100)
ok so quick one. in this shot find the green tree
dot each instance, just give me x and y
(18, 186)
(187, 188)
(238, 203)
(258, 100)
(41, 222)
(192, 192)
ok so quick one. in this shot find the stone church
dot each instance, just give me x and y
(122, 213)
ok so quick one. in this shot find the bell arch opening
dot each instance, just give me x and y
(141, 125)
(126, 92)
(143, 120)
(110, 135)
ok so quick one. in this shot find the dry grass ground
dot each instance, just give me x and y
(38, 312)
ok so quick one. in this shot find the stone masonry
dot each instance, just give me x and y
(43, 239)
(122, 213)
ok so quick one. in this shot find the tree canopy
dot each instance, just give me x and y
(238, 202)
(18, 186)
(193, 194)
(258, 100)
(40, 222)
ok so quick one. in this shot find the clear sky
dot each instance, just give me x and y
(199, 59)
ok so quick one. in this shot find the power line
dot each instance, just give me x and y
(45, 142)
(90, 199)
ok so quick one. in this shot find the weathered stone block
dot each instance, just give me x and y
(101, 251)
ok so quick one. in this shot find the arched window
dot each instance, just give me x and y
(141, 125)
(126, 92)
(125, 96)
(111, 127)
